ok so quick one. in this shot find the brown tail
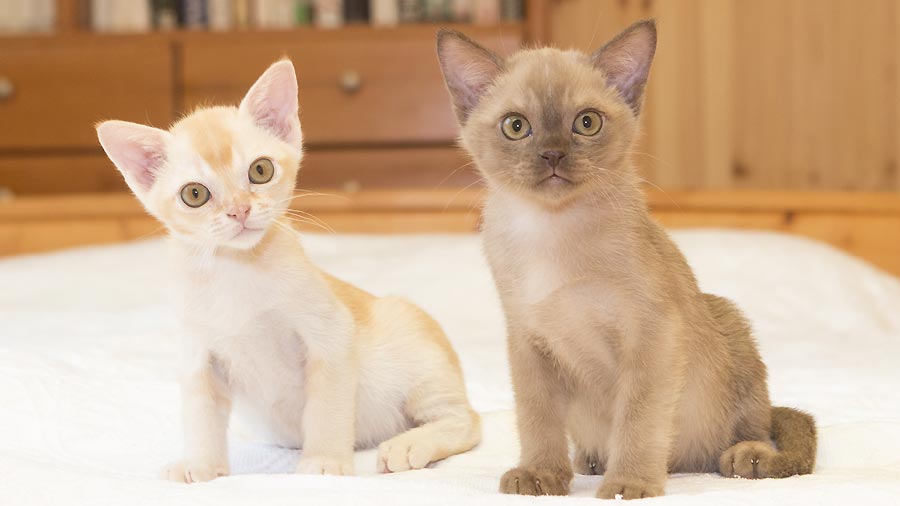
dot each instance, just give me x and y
(794, 434)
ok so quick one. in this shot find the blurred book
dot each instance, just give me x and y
(278, 14)
(23, 16)
(486, 12)
(220, 15)
(192, 14)
(461, 10)
(329, 13)
(512, 10)
(118, 16)
(356, 11)
(411, 11)
(384, 12)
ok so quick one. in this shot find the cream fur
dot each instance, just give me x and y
(310, 361)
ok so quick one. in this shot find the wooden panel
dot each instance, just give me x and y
(422, 168)
(401, 97)
(862, 224)
(61, 90)
(347, 169)
(799, 94)
(48, 174)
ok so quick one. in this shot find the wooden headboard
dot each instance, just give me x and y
(864, 224)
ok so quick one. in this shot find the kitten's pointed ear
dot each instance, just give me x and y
(468, 68)
(138, 151)
(625, 61)
(272, 102)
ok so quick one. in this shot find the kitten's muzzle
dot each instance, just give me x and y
(239, 213)
(552, 157)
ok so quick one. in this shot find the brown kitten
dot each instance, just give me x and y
(610, 340)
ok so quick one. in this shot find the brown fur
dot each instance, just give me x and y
(611, 342)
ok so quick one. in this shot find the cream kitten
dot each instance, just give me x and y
(610, 340)
(314, 362)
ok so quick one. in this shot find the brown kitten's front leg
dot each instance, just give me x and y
(206, 407)
(643, 417)
(544, 467)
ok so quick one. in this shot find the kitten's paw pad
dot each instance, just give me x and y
(183, 471)
(403, 453)
(522, 481)
(587, 463)
(628, 489)
(748, 459)
(341, 466)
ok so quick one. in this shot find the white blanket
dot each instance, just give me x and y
(90, 404)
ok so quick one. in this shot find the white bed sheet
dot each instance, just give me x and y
(90, 404)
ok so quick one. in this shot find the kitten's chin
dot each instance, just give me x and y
(552, 192)
(246, 239)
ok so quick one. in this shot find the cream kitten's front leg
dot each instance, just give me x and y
(329, 415)
(206, 407)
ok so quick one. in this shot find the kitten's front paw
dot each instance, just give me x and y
(747, 459)
(522, 481)
(183, 471)
(326, 465)
(628, 489)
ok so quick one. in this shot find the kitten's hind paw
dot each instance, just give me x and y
(405, 452)
(522, 481)
(183, 471)
(747, 459)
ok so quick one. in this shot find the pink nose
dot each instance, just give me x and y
(239, 213)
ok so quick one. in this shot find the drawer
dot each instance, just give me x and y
(60, 90)
(425, 168)
(400, 96)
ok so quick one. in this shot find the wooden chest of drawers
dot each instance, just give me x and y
(373, 105)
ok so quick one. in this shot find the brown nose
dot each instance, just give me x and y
(239, 213)
(553, 157)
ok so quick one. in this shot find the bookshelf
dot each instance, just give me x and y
(373, 105)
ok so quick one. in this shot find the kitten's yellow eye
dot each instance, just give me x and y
(588, 123)
(261, 171)
(194, 194)
(515, 127)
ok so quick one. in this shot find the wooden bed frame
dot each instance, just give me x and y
(864, 224)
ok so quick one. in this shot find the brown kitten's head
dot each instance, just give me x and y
(221, 176)
(546, 124)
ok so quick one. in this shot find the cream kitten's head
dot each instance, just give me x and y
(547, 124)
(222, 175)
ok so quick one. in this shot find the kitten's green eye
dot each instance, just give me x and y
(261, 171)
(194, 194)
(588, 123)
(515, 127)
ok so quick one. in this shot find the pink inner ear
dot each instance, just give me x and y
(468, 70)
(138, 151)
(272, 102)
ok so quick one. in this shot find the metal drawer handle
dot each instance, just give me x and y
(7, 88)
(350, 81)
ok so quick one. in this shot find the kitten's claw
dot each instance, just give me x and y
(326, 465)
(628, 489)
(522, 481)
(182, 471)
